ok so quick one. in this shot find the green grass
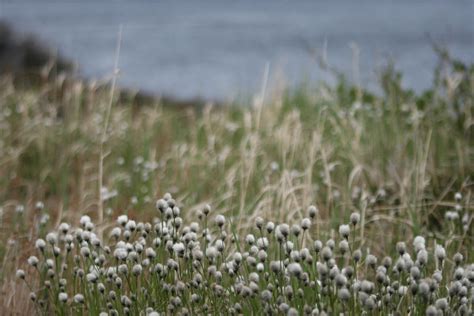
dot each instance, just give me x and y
(396, 157)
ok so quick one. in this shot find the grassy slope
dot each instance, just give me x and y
(397, 158)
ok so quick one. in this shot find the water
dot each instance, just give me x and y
(219, 49)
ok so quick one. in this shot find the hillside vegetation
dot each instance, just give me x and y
(395, 159)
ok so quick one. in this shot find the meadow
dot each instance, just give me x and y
(318, 200)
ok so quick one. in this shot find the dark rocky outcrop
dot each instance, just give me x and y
(23, 58)
(26, 63)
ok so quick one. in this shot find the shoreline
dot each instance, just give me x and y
(27, 62)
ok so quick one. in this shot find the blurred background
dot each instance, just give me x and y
(219, 49)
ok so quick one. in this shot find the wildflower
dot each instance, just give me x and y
(207, 209)
(64, 228)
(270, 227)
(458, 258)
(91, 277)
(84, 220)
(295, 269)
(89, 226)
(419, 243)
(424, 288)
(295, 230)
(137, 270)
(415, 272)
(33, 261)
(331, 244)
(340, 280)
(369, 303)
(344, 231)
(250, 239)
(422, 257)
(440, 253)
(50, 263)
(284, 229)
(179, 249)
(120, 253)
(305, 223)
(19, 209)
(211, 253)
(44, 219)
(431, 311)
(20, 274)
(52, 238)
(344, 294)
(262, 243)
(438, 276)
(150, 253)
(451, 216)
(276, 266)
(371, 260)
(220, 220)
(125, 301)
(442, 304)
(85, 252)
(79, 298)
(266, 295)
(357, 255)
(312, 211)
(317, 246)
(219, 245)
(458, 197)
(458, 273)
(355, 218)
(367, 286)
(326, 253)
(62, 297)
(115, 232)
(343, 246)
(259, 222)
(131, 225)
(401, 247)
(122, 220)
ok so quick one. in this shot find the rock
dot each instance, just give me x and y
(23, 57)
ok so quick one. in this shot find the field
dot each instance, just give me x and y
(111, 206)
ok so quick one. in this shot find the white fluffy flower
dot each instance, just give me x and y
(64, 228)
(115, 232)
(33, 261)
(122, 220)
(137, 269)
(79, 298)
(344, 231)
(295, 269)
(220, 220)
(131, 225)
(440, 252)
(91, 277)
(62, 297)
(52, 238)
(419, 243)
(84, 220)
(120, 253)
(179, 248)
(211, 252)
(20, 274)
(305, 223)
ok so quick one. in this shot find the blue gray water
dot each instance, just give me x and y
(219, 48)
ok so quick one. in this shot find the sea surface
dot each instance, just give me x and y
(219, 49)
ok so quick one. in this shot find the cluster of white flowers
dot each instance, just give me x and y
(170, 267)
